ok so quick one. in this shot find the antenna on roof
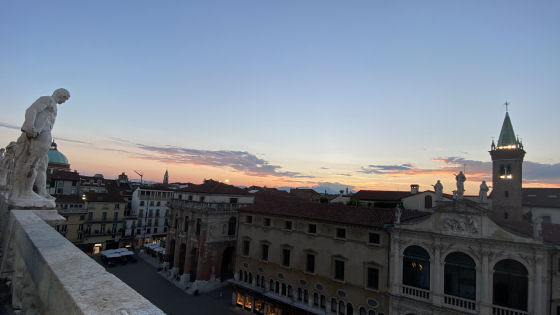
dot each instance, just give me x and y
(141, 174)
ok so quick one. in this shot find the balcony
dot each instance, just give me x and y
(500, 310)
(416, 293)
(49, 275)
(461, 304)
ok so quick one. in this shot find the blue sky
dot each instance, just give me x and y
(291, 93)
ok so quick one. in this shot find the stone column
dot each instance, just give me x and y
(437, 274)
(538, 305)
(395, 263)
(483, 288)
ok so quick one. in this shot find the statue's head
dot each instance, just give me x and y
(61, 95)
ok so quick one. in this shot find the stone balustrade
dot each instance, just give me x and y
(500, 310)
(48, 275)
(459, 303)
(416, 293)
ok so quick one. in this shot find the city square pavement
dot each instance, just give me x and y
(143, 278)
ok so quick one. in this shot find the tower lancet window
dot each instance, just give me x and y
(505, 171)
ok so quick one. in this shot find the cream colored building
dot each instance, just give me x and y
(297, 257)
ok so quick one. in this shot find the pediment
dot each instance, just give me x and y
(465, 221)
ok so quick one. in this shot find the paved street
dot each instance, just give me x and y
(143, 277)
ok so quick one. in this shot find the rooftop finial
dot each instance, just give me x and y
(506, 104)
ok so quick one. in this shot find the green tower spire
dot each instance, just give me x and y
(507, 136)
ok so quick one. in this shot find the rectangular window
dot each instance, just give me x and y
(288, 225)
(117, 206)
(80, 228)
(104, 216)
(116, 216)
(249, 219)
(114, 229)
(339, 270)
(373, 278)
(142, 203)
(102, 229)
(340, 232)
(186, 224)
(197, 227)
(232, 200)
(266, 222)
(312, 228)
(90, 216)
(310, 265)
(264, 252)
(246, 246)
(286, 257)
(373, 238)
(82, 217)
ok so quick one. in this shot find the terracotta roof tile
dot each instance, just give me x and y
(381, 195)
(281, 203)
(214, 187)
(541, 197)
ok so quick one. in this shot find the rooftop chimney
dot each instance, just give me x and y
(414, 189)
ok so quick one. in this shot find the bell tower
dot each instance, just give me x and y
(507, 172)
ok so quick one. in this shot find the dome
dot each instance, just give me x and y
(56, 157)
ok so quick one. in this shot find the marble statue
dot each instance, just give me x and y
(398, 214)
(460, 184)
(483, 193)
(31, 156)
(438, 187)
(7, 165)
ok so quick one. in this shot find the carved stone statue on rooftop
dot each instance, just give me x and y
(460, 184)
(483, 193)
(7, 165)
(438, 187)
(398, 214)
(30, 162)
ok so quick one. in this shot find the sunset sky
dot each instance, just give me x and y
(323, 94)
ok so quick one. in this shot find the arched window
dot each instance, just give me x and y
(250, 277)
(510, 284)
(333, 305)
(284, 289)
(362, 311)
(245, 276)
(460, 276)
(271, 286)
(232, 225)
(341, 308)
(258, 281)
(290, 291)
(349, 309)
(315, 299)
(277, 288)
(416, 267)
(299, 294)
(428, 202)
(371, 312)
(262, 282)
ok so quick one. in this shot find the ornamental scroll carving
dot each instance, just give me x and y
(460, 224)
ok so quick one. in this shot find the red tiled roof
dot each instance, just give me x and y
(111, 196)
(381, 195)
(541, 197)
(281, 203)
(161, 187)
(68, 198)
(214, 187)
(64, 175)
